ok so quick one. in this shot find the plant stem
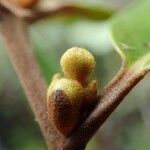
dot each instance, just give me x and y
(58, 9)
(14, 33)
(51, 9)
(109, 99)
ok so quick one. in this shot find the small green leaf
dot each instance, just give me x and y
(131, 34)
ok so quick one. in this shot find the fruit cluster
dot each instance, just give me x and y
(70, 97)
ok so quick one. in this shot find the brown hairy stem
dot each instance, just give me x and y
(14, 33)
(109, 99)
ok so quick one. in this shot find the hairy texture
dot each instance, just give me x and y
(70, 99)
(62, 114)
(77, 64)
(64, 101)
(72, 89)
(109, 99)
(14, 34)
(90, 94)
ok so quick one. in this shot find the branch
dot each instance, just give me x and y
(52, 9)
(14, 9)
(14, 33)
(109, 99)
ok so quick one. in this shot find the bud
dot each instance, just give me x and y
(77, 64)
(90, 94)
(71, 99)
(64, 100)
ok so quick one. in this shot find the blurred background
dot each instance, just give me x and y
(128, 128)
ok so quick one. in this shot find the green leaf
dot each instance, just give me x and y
(131, 34)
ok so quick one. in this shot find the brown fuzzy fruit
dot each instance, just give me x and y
(64, 100)
(77, 63)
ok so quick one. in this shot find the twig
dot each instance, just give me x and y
(51, 9)
(59, 9)
(14, 33)
(109, 99)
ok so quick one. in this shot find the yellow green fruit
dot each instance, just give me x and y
(71, 99)
(64, 100)
(77, 63)
(71, 88)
